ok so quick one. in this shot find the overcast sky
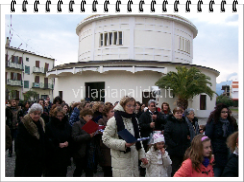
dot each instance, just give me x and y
(215, 46)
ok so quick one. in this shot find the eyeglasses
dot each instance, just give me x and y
(227, 112)
(130, 106)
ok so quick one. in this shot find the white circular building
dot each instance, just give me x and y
(125, 55)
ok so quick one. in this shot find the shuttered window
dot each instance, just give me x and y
(18, 76)
(37, 79)
(26, 84)
(27, 70)
(37, 64)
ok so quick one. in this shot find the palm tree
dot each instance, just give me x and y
(186, 83)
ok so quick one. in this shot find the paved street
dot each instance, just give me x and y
(10, 164)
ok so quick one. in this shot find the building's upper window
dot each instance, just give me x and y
(101, 39)
(115, 38)
(38, 64)
(27, 69)
(111, 38)
(120, 38)
(184, 45)
(26, 84)
(105, 39)
(27, 59)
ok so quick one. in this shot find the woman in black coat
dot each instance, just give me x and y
(58, 138)
(30, 144)
(83, 151)
(219, 126)
(177, 138)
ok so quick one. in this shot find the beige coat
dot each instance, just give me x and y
(123, 164)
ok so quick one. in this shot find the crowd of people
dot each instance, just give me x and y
(48, 137)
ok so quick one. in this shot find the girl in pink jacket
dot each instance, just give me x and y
(199, 159)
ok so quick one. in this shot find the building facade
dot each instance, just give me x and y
(26, 71)
(125, 55)
(234, 92)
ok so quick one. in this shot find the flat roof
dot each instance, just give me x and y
(25, 51)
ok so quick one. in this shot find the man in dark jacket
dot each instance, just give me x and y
(150, 120)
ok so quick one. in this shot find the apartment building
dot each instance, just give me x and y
(25, 71)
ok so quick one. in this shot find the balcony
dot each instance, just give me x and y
(14, 66)
(40, 70)
(15, 83)
(42, 86)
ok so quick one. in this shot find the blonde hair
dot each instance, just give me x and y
(96, 106)
(55, 111)
(125, 100)
(232, 140)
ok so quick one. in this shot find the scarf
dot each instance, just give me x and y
(165, 112)
(206, 161)
(121, 126)
(225, 125)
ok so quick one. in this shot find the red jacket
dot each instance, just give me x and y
(186, 170)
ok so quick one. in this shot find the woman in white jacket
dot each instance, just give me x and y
(124, 155)
(159, 163)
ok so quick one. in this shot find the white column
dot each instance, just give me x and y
(173, 41)
(132, 38)
(93, 40)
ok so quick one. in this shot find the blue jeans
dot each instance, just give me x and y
(218, 171)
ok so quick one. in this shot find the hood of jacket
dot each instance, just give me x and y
(118, 107)
(31, 126)
(76, 110)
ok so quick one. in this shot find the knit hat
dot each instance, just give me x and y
(157, 137)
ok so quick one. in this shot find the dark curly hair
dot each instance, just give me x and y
(65, 104)
(58, 99)
(215, 115)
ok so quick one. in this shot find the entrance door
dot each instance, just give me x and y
(95, 91)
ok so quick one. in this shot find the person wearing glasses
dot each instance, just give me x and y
(219, 126)
(124, 155)
(192, 122)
